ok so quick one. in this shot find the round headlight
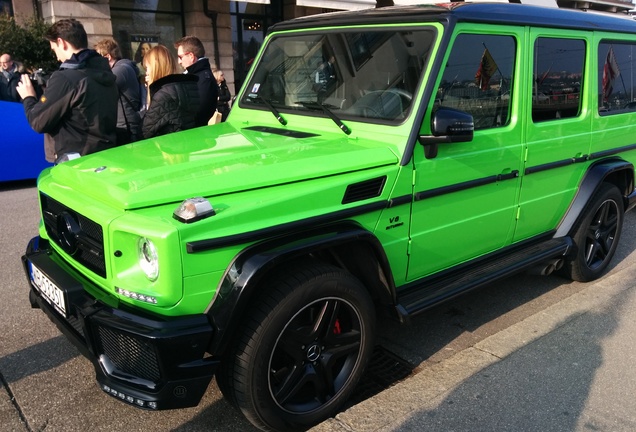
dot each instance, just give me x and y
(148, 258)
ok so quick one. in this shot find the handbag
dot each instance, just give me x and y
(216, 118)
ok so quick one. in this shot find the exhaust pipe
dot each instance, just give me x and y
(548, 268)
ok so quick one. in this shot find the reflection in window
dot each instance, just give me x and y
(478, 78)
(557, 78)
(349, 73)
(362, 45)
(140, 25)
(616, 77)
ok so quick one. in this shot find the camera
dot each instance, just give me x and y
(40, 77)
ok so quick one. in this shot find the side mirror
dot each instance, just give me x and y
(447, 126)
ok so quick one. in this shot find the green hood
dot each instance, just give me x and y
(212, 161)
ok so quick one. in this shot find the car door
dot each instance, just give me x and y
(465, 197)
(558, 121)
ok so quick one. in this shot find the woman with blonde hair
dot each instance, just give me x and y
(173, 98)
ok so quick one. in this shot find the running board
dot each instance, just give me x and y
(436, 289)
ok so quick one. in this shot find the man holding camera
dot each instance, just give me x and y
(78, 110)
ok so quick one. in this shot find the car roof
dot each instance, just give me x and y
(492, 13)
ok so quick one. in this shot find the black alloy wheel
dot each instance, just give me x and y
(303, 349)
(596, 236)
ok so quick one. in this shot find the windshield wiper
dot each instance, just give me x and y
(271, 107)
(332, 116)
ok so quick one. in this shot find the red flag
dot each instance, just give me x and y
(487, 68)
(545, 75)
(610, 73)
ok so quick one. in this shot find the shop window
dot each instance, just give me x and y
(141, 24)
(250, 22)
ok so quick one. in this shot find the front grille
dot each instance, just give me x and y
(129, 354)
(85, 245)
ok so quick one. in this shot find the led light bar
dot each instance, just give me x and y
(136, 296)
(130, 399)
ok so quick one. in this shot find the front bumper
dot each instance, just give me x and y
(147, 361)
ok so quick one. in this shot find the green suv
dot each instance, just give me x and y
(376, 162)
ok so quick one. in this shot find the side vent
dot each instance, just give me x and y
(364, 190)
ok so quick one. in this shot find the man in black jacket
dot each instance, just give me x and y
(192, 58)
(78, 110)
(10, 73)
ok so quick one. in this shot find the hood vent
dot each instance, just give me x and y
(364, 190)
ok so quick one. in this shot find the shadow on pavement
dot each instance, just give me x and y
(543, 386)
(37, 358)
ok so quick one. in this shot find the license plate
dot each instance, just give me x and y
(49, 291)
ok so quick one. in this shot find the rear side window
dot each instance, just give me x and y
(557, 78)
(616, 77)
(478, 78)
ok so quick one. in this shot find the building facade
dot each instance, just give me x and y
(231, 31)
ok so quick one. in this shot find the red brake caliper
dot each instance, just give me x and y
(336, 327)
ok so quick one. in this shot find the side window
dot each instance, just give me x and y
(478, 78)
(615, 77)
(557, 77)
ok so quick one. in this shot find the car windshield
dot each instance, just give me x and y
(356, 75)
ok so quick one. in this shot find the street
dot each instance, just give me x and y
(451, 355)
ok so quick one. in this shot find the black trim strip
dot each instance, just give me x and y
(612, 151)
(584, 158)
(208, 244)
(465, 185)
(398, 201)
(554, 165)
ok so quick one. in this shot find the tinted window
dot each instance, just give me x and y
(478, 78)
(366, 76)
(616, 77)
(557, 78)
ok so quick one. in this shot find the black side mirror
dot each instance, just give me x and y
(447, 126)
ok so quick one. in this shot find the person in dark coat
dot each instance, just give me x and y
(78, 109)
(126, 74)
(10, 74)
(173, 98)
(223, 105)
(192, 59)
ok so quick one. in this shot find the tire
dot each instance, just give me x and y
(596, 236)
(302, 351)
